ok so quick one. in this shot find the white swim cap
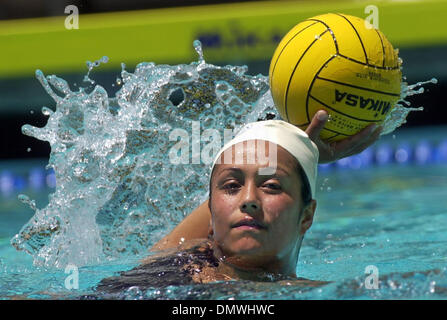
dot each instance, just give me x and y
(286, 135)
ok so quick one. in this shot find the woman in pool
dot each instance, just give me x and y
(261, 203)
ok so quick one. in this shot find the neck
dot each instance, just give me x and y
(259, 269)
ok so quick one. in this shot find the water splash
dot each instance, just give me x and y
(117, 193)
(399, 113)
(26, 200)
(198, 47)
(91, 65)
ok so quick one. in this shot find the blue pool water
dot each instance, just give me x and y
(392, 216)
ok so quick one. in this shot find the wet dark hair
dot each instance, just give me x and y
(306, 193)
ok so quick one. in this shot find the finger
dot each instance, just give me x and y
(317, 124)
(367, 143)
(359, 138)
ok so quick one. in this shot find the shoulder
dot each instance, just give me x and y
(190, 246)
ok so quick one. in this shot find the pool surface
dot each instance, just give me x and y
(380, 214)
(388, 219)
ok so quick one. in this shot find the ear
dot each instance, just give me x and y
(307, 217)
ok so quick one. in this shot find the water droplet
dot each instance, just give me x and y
(432, 286)
(198, 47)
(47, 111)
(91, 65)
(26, 200)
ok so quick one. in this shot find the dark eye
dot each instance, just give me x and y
(231, 186)
(272, 186)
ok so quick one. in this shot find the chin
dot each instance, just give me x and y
(247, 246)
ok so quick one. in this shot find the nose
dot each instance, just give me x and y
(250, 203)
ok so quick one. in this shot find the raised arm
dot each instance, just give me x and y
(198, 223)
(195, 226)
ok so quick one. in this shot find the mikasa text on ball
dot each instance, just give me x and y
(338, 63)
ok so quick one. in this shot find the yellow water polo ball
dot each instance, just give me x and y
(339, 63)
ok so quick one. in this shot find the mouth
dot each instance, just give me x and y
(249, 224)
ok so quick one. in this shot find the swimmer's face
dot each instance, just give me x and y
(259, 218)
